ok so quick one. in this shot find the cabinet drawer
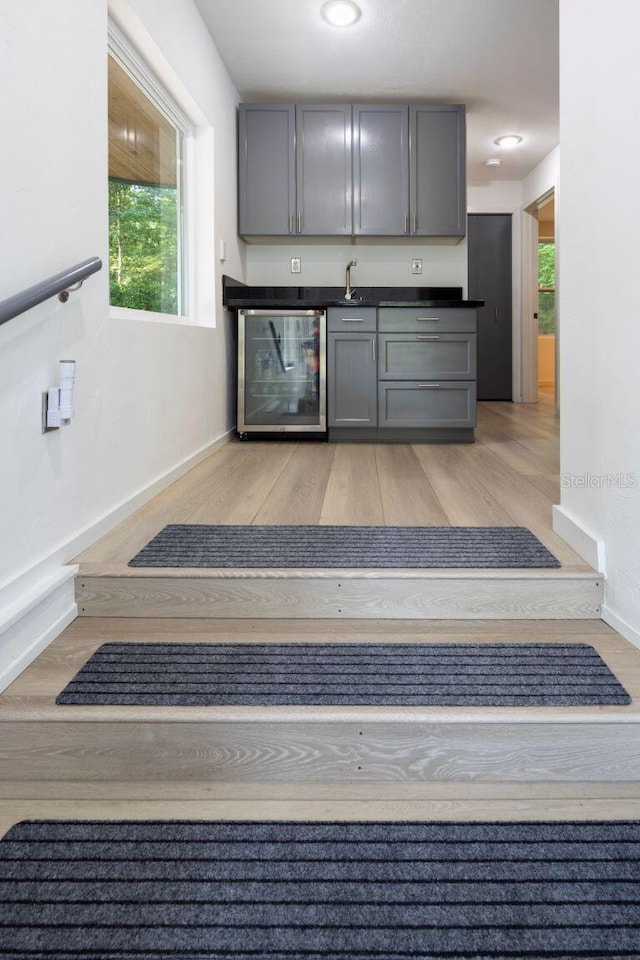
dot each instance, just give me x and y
(409, 356)
(351, 319)
(427, 404)
(426, 319)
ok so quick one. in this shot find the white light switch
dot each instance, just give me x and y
(416, 265)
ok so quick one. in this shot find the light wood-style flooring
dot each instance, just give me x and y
(325, 763)
(509, 477)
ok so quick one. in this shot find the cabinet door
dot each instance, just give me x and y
(381, 170)
(323, 164)
(352, 380)
(437, 170)
(266, 171)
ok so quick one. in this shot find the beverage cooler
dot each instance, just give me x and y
(282, 372)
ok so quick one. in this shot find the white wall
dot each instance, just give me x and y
(379, 264)
(542, 178)
(150, 396)
(494, 196)
(600, 381)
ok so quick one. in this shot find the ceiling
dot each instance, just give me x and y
(500, 57)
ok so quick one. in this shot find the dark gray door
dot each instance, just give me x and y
(266, 169)
(489, 243)
(381, 170)
(323, 159)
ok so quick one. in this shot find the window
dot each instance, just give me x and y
(146, 195)
(546, 287)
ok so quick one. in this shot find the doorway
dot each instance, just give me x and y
(547, 299)
(540, 321)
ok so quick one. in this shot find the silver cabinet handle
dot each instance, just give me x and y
(495, 314)
(291, 227)
(428, 386)
(405, 222)
(427, 319)
(299, 223)
(414, 229)
(373, 349)
(427, 336)
(352, 319)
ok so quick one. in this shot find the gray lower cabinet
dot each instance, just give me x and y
(401, 383)
(352, 377)
(352, 380)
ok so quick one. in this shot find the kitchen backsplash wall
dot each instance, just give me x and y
(379, 264)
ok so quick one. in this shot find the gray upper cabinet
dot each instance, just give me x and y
(438, 170)
(323, 150)
(381, 170)
(266, 169)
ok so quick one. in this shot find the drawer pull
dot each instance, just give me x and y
(428, 386)
(427, 319)
(351, 319)
(427, 336)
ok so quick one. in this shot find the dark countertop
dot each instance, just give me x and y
(238, 296)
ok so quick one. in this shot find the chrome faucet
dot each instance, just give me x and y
(348, 293)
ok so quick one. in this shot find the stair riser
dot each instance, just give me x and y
(314, 751)
(456, 598)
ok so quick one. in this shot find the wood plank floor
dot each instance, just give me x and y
(509, 477)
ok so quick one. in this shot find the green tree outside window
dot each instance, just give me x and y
(143, 246)
(546, 287)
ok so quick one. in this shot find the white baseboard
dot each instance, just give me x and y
(32, 621)
(39, 602)
(88, 535)
(583, 541)
(624, 629)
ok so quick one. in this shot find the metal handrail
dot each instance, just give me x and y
(60, 284)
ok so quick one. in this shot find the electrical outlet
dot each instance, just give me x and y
(416, 266)
(295, 265)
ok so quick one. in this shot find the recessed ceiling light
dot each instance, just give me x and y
(493, 162)
(511, 140)
(341, 13)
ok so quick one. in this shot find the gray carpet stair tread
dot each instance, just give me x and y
(204, 545)
(499, 674)
(320, 891)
